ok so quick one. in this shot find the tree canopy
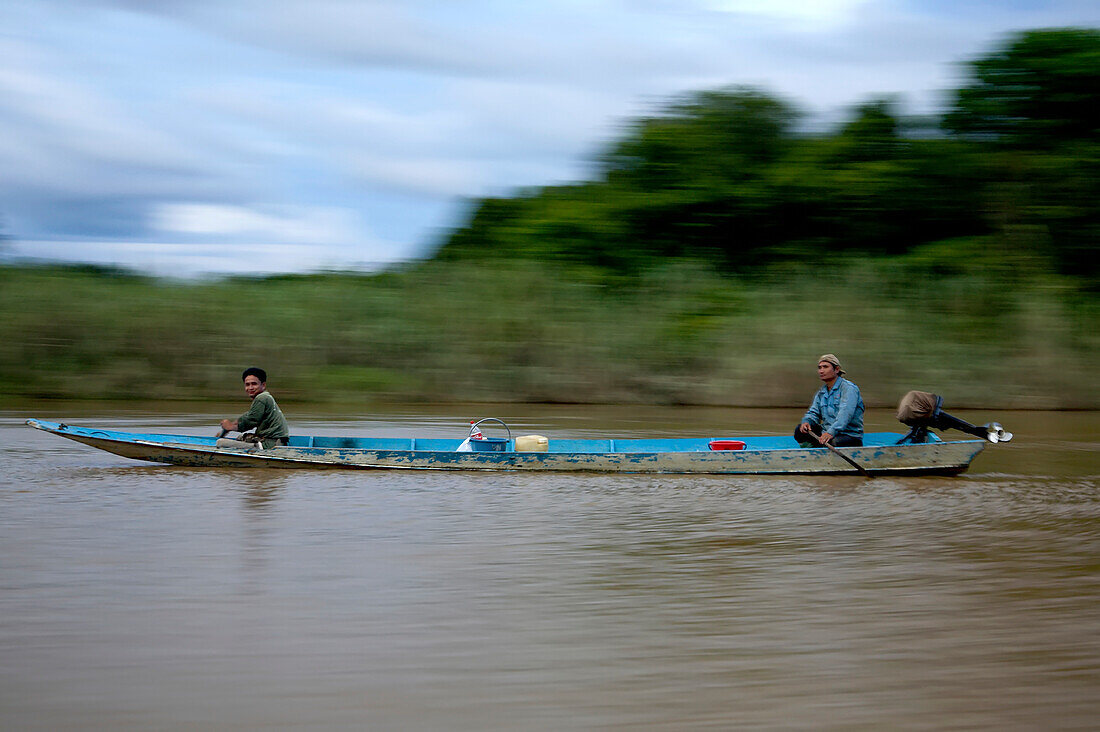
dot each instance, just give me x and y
(1040, 90)
(727, 175)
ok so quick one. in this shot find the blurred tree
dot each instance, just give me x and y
(1036, 105)
(873, 134)
(487, 229)
(869, 188)
(708, 139)
(692, 180)
(1040, 90)
(725, 176)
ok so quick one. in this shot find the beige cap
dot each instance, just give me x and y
(830, 358)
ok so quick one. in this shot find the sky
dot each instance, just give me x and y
(204, 137)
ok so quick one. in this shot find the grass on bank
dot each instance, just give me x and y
(979, 325)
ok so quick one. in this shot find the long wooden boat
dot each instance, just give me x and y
(746, 455)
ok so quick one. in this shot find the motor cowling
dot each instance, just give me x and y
(919, 408)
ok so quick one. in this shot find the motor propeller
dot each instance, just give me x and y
(996, 433)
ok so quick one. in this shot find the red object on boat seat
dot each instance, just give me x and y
(727, 445)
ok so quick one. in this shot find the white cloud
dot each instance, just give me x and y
(831, 12)
(312, 125)
(297, 224)
(432, 176)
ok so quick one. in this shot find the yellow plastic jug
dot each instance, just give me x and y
(532, 443)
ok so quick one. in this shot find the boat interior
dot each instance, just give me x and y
(555, 445)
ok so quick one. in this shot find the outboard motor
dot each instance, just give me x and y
(921, 410)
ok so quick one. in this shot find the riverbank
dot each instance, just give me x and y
(996, 332)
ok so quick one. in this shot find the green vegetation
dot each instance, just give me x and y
(726, 177)
(716, 254)
(960, 318)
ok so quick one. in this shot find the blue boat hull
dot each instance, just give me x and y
(763, 455)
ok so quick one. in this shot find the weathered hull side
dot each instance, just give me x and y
(942, 458)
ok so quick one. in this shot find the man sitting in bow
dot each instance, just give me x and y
(264, 416)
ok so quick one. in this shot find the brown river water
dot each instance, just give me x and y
(138, 597)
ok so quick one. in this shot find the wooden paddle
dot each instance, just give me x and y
(848, 460)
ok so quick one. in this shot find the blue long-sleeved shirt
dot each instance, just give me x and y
(839, 410)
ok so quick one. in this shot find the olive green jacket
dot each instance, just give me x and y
(266, 418)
